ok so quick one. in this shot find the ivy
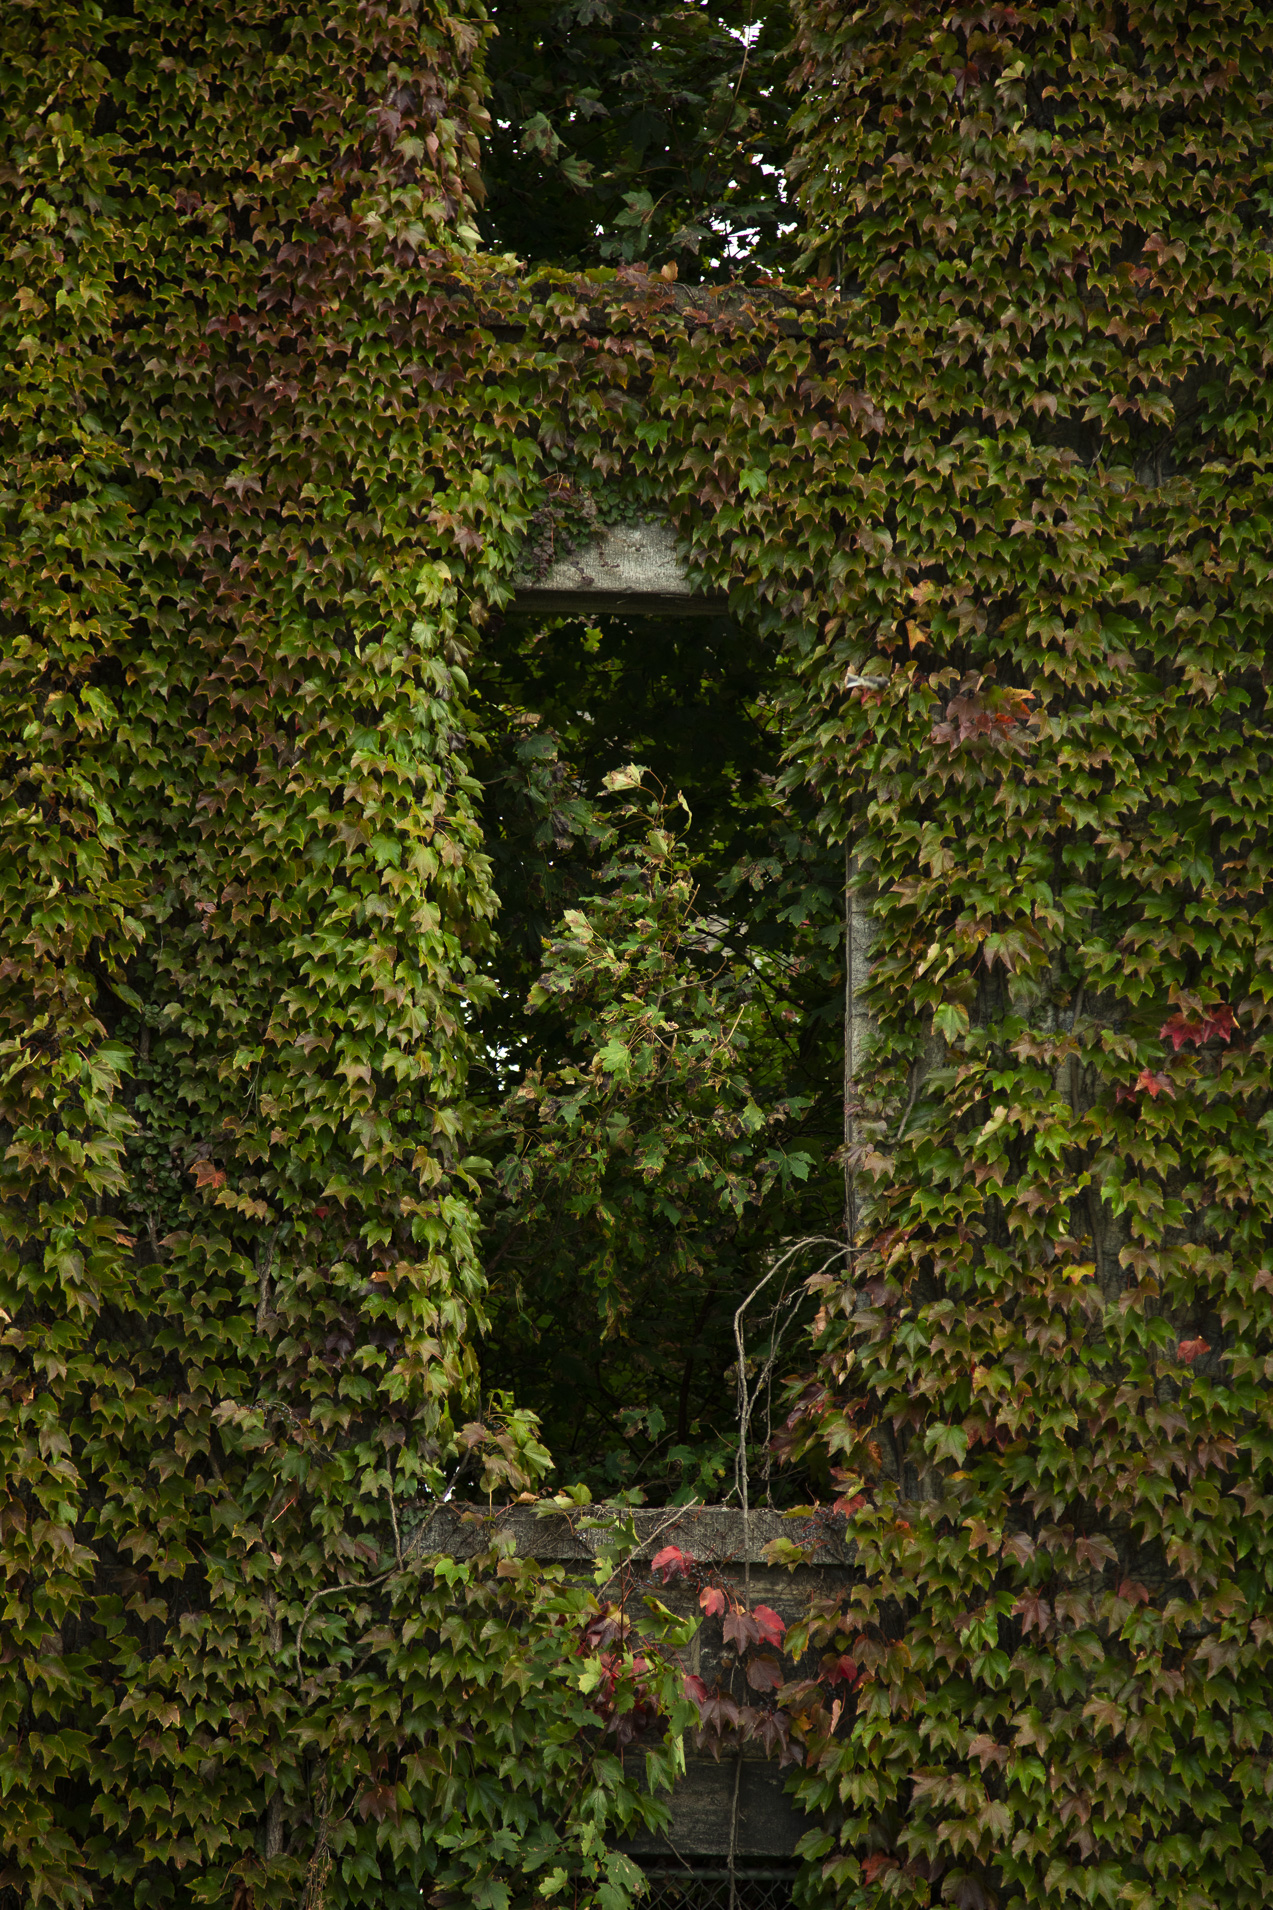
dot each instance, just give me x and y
(993, 495)
(1044, 1378)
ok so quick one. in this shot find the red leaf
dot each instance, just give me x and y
(1191, 1350)
(671, 1563)
(1219, 1023)
(1178, 1030)
(713, 1601)
(208, 1175)
(693, 1687)
(877, 1861)
(844, 1670)
(1155, 1084)
(741, 1629)
(772, 1627)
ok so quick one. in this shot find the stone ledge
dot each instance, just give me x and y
(769, 1824)
(711, 1533)
(630, 569)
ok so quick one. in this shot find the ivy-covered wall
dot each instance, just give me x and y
(1050, 1376)
(274, 440)
(242, 890)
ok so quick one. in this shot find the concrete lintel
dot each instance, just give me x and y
(630, 569)
(711, 1533)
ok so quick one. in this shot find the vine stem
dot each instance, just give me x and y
(747, 1400)
(733, 1831)
(850, 995)
(329, 1591)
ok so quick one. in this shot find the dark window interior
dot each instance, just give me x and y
(687, 1886)
(613, 1287)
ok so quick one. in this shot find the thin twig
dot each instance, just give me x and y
(746, 1403)
(393, 1515)
(733, 1831)
(906, 1112)
(329, 1591)
(671, 1519)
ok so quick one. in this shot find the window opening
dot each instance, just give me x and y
(661, 1044)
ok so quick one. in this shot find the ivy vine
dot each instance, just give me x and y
(990, 483)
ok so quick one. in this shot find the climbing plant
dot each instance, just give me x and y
(243, 895)
(253, 522)
(991, 481)
(1048, 1375)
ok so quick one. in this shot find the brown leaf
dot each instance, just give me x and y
(379, 1801)
(1034, 1612)
(741, 1629)
(764, 1673)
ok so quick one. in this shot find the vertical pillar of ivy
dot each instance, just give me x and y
(242, 898)
(1042, 685)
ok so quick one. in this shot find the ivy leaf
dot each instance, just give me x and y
(950, 1020)
(763, 1673)
(670, 1563)
(947, 1442)
(741, 1629)
(772, 1628)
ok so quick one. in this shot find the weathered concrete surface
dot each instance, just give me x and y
(712, 1533)
(630, 568)
(770, 1824)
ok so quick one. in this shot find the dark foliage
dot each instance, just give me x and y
(623, 133)
(615, 1281)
